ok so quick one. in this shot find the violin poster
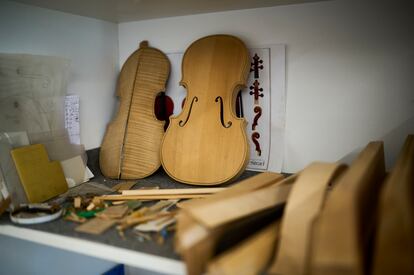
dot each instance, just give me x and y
(262, 103)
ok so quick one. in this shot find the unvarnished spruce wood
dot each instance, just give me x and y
(341, 234)
(237, 207)
(131, 145)
(198, 147)
(151, 197)
(394, 244)
(256, 182)
(303, 206)
(250, 257)
(181, 191)
(198, 231)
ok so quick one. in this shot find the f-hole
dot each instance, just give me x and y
(228, 125)
(182, 123)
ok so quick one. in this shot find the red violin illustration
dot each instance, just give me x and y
(258, 112)
(255, 137)
(255, 90)
(256, 65)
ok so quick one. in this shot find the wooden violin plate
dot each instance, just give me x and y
(206, 143)
(131, 145)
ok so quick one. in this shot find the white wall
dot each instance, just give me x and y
(91, 45)
(349, 66)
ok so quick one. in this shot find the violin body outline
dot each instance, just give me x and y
(206, 144)
(131, 145)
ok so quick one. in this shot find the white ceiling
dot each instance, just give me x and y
(134, 10)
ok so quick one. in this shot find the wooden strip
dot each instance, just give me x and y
(124, 185)
(182, 191)
(258, 181)
(131, 222)
(236, 207)
(342, 231)
(242, 259)
(95, 226)
(158, 197)
(304, 204)
(394, 246)
(114, 212)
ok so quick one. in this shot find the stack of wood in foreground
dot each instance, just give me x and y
(327, 219)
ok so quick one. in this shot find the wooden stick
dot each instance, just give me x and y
(157, 197)
(147, 218)
(182, 191)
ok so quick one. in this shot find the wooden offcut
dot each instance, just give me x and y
(201, 223)
(303, 206)
(394, 244)
(131, 145)
(341, 235)
(206, 143)
(181, 191)
(242, 259)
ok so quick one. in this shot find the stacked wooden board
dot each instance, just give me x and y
(327, 219)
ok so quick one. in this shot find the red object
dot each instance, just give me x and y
(255, 90)
(163, 108)
(258, 112)
(256, 65)
(255, 137)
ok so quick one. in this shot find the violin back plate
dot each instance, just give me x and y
(131, 145)
(206, 143)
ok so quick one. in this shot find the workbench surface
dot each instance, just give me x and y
(109, 245)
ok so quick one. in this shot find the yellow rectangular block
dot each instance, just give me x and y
(41, 178)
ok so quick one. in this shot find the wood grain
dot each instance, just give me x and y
(131, 145)
(394, 247)
(201, 146)
(341, 234)
(303, 206)
(201, 223)
(181, 191)
(258, 181)
(151, 197)
(242, 260)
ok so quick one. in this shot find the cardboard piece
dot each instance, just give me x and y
(41, 179)
(394, 244)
